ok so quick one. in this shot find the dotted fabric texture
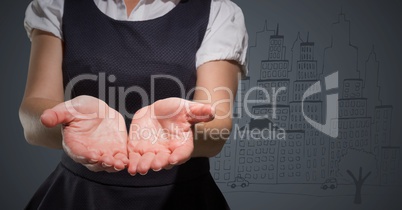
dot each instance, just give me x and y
(133, 52)
(122, 57)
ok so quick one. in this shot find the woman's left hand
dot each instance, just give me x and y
(161, 135)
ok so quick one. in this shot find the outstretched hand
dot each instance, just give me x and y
(161, 135)
(93, 133)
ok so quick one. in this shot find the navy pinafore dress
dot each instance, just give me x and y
(116, 61)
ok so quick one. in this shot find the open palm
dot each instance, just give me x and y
(93, 133)
(161, 135)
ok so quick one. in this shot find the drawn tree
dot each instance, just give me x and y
(359, 167)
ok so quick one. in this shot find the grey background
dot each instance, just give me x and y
(24, 167)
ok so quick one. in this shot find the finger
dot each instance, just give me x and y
(200, 113)
(120, 161)
(160, 161)
(122, 156)
(145, 163)
(181, 154)
(80, 153)
(107, 160)
(134, 158)
(111, 170)
(56, 115)
(92, 161)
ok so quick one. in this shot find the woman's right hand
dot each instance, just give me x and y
(93, 133)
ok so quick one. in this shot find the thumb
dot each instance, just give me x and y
(199, 112)
(56, 115)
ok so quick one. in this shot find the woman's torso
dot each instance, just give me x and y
(131, 64)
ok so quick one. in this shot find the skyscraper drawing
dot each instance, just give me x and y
(315, 167)
(274, 72)
(257, 158)
(341, 55)
(371, 82)
(354, 129)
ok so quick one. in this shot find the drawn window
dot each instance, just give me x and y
(217, 165)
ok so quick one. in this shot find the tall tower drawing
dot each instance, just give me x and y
(256, 53)
(257, 157)
(371, 84)
(295, 57)
(354, 128)
(295, 51)
(274, 72)
(315, 148)
(307, 73)
(341, 55)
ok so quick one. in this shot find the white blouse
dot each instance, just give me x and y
(225, 38)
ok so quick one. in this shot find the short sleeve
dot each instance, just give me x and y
(45, 15)
(226, 36)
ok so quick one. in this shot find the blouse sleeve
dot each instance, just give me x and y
(45, 15)
(226, 36)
